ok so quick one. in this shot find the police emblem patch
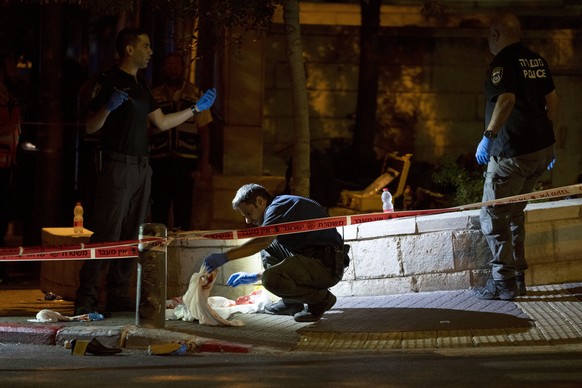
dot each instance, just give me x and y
(496, 75)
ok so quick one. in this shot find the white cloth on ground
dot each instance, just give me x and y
(47, 316)
(197, 304)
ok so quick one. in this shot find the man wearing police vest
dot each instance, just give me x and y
(298, 267)
(517, 147)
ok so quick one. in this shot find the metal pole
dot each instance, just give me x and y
(151, 278)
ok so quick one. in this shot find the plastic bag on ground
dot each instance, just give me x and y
(196, 304)
(47, 316)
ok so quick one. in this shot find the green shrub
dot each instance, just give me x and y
(463, 184)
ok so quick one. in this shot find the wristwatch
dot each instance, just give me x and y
(489, 134)
(193, 109)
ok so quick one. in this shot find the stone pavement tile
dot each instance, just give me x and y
(550, 323)
(532, 337)
(571, 313)
(491, 337)
(261, 329)
(315, 341)
(383, 341)
(454, 339)
(419, 340)
(348, 341)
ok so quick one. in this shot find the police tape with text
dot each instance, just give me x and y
(126, 248)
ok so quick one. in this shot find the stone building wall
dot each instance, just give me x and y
(417, 254)
(430, 98)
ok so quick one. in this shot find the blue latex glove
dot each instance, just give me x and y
(117, 98)
(551, 165)
(483, 149)
(239, 278)
(206, 100)
(214, 261)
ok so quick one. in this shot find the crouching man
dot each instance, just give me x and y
(298, 267)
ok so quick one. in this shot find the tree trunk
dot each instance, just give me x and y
(366, 124)
(301, 168)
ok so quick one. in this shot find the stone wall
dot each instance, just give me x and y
(427, 253)
(430, 97)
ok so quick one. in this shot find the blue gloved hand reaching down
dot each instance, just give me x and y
(239, 278)
(482, 154)
(215, 261)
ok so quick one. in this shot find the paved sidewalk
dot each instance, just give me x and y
(547, 316)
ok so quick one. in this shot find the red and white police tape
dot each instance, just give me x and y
(115, 250)
(124, 249)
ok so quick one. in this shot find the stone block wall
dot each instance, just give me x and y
(416, 254)
(430, 97)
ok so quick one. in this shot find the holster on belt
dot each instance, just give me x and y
(334, 259)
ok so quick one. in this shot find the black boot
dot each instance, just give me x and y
(314, 312)
(520, 284)
(497, 289)
(284, 308)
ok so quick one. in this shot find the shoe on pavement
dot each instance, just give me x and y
(81, 347)
(284, 308)
(497, 289)
(520, 284)
(314, 312)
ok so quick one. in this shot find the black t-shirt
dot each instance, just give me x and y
(289, 208)
(518, 70)
(125, 130)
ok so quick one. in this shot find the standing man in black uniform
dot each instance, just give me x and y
(298, 267)
(517, 146)
(120, 107)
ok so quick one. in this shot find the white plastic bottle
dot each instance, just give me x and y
(387, 204)
(78, 219)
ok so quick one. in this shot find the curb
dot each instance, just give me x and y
(37, 334)
(126, 337)
(134, 337)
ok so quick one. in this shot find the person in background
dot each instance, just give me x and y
(9, 136)
(180, 155)
(120, 107)
(298, 267)
(517, 147)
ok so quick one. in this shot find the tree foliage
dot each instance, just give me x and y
(248, 16)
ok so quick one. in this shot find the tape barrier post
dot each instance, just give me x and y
(151, 277)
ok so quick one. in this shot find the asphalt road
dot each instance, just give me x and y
(49, 366)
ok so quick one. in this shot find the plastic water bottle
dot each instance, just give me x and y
(387, 205)
(78, 219)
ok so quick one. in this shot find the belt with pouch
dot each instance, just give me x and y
(333, 258)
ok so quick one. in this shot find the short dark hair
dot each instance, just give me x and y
(249, 193)
(127, 36)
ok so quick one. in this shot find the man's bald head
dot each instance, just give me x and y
(504, 30)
